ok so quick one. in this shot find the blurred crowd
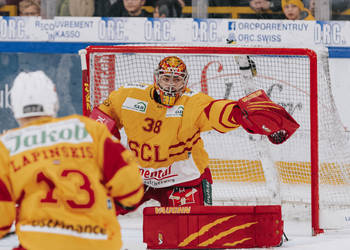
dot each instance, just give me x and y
(256, 9)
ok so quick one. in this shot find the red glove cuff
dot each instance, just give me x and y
(100, 116)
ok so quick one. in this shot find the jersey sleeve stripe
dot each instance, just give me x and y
(113, 161)
(187, 141)
(4, 192)
(5, 228)
(222, 115)
(207, 108)
(185, 149)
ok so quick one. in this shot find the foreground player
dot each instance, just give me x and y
(64, 174)
(163, 123)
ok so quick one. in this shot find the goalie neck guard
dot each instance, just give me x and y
(170, 80)
(33, 94)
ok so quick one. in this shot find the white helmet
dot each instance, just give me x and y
(33, 94)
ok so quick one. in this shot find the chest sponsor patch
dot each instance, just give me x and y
(178, 172)
(135, 105)
(175, 111)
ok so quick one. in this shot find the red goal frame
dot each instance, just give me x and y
(311, 54)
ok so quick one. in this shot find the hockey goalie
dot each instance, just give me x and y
(163, 122)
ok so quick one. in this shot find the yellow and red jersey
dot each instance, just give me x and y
(64, 174)
(167, 140)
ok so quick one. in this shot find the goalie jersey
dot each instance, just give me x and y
(167, 140)
(64, 175)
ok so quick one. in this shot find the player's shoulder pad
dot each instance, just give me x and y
(142, 86)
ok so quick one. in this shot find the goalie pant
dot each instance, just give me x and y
(64, 183)
(197, 192)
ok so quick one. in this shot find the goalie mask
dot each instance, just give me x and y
(170, 80)
(33, 94)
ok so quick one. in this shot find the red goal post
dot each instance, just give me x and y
(296, 78)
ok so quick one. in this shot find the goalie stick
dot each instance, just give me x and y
(247, 73)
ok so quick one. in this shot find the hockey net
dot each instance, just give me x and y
(309, 174)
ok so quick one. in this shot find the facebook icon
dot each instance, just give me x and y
(231, 25)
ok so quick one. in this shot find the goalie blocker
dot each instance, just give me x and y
(207, 227)
(259, 115)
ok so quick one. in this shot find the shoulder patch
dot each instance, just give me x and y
(175, 111)
(135, 105)
(136, 85)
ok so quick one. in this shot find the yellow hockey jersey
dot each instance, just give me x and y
(167, 141)
(64, 174)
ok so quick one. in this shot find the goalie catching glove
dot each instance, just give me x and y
(257, 114)
(99, 116)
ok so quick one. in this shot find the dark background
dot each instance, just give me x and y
(63, 69)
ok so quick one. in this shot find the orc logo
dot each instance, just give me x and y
(327, 33)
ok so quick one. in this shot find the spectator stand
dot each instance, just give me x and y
(234, 12)
(8, 10)
(344, 15)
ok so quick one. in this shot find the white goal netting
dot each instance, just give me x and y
(247, 169)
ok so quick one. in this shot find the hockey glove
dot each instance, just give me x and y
(257, 114)
(102, 117)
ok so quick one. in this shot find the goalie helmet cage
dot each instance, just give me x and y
(312, 166)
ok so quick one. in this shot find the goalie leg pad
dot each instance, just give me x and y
(202, 227)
